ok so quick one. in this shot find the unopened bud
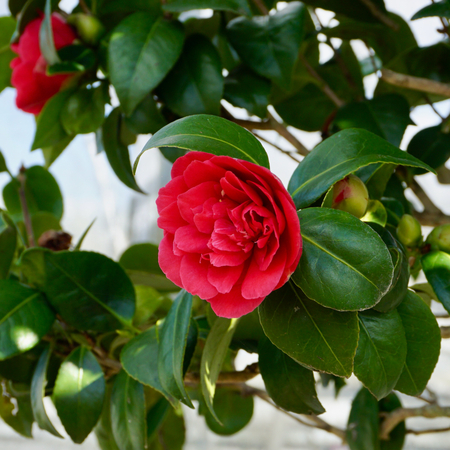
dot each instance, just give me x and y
(439, 238)
(350, 195)
(89, 28)
(409, 231)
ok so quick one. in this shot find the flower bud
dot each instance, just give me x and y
(409, 231)
(89, 28)
(350, 195)
(439, 238)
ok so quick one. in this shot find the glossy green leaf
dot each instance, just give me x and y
(43, 221)
(172, 346)
(79, 393)
(381, 351)
(375, 213)
(218, 5)
(141, 51)
(436, 266)
(8, 244)
(102, 297)
(139, 359)
(41, 192)
(362, 426)
(15, 409)
(49, 129)
(386, 116)
(171, 434)
(398, 434)
(52, 152)
(316, 337)
(338, 156)
(46, 41)
(128, 413)
(246, 89)
(116, 152)
(103, 429)
(73, 58)
(146, 118)
(289, 384)
(270, 44)
(195, 84)
(209, 134)
(83, 111)
(20, 368)
(24, 318)
(376, 177)
(7, 26)
(233, 410)
(37, 393)
(148, 300)
(213, 357)
(345, 265)
(440, 9)
(423, 338)
(156, 415)
(431, 146)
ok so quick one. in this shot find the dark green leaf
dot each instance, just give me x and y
(148, 300)
(195, 84)
(37, 393)
(141, 264)
(316, 337)
(103, 429)
(116, 152)
(146, 118)
(128, 413)
(43, 221)
(218, 5)
(338, 156)
(209, 134)
(270, 44)
(213, 356)
(290, 385)
(20, 368)
(436, 266)
(362, 426)
(46, 41)
(79, 393)
(142, 49)
(8, 244)
(24, 318)
(15, 6)
(83, 111)
(423, 337)
(398, 434)
(345, 265)
(74, 58)
(3, 166)
(156, 416)
(7, 26)
(172, 433)
(41, 192)
(52, 152)
(102, 297)
(246, 89)
(381, 351)
(431, 146)
(386, 116)
(49, 129)
(172, 345)
(376, 178)
(233, 410)
(83, 236)
(16, 411)
(440, 9)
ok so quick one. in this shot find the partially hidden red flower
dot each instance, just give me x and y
(34, 86)
(231, 231)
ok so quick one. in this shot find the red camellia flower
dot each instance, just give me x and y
(231, 231)
(34, 86)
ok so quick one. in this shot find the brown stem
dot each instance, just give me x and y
(380, 15)
(286, 152)
(444, 24)
(322, 83)
(432, 219)
(436, 430)
(26, 213)
(445, 332)
(84, 7)
(427, 203)
(415, 83)
(228, 378)
(391, 420)
(427, 99)
(261, 6)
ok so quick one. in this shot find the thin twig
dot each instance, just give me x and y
(445, 332)
(286, 152)
(228, 378)
(427, 99)
(444, 24)
(84, 7)
(380, 15)
(322, 83)
(427, 203)
(26, 213)
(415, 83)
(436, 430)
(392, 419)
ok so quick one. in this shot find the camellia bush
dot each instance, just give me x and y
(316, 278)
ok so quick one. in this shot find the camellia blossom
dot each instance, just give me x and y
(34, 87)
(231, 231)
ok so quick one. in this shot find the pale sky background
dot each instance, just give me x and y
(91, 190)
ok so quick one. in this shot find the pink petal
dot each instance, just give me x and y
(233, 305)
(198, 172)
(170, 192)
(180, 164)
(204, 221)
(170, 219)
(221, 259)
(197, 196)
(194, 275)
(190, 240)
(170, 264)
(224, 278)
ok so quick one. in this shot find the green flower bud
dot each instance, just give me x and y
(409, 231)
(439, 238)
(89, 28)
(350, 195)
